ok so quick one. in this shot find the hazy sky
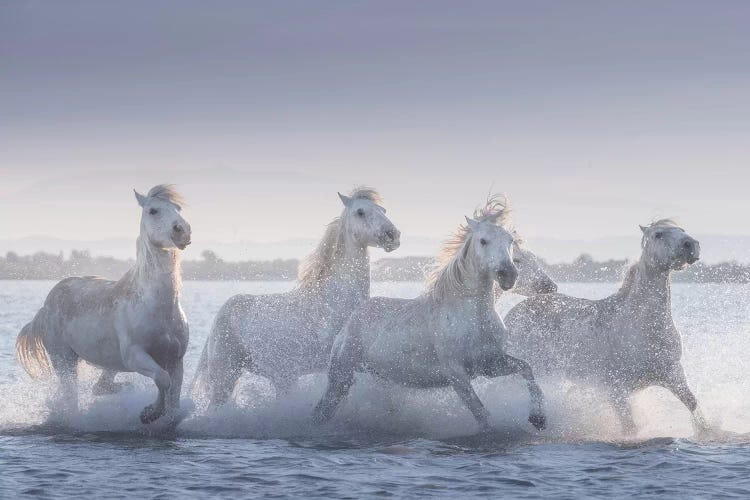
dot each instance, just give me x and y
(593, 116)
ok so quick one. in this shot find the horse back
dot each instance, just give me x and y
(554, 331)
(68, 301)
(278, 332)
(72, 296)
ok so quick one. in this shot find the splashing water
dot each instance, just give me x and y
(384, 438)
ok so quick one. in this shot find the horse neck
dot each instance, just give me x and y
(473, 289)
(349, 271)
(156, 269)
(648, 289)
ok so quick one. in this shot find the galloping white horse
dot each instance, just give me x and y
(627, 341)
(135, 324)
(284, 336)
(447, 336)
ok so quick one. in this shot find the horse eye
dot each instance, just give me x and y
(482, 241)
(658, 235)
(360, 212)
(153, 211)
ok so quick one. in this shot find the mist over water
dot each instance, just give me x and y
(384, 439)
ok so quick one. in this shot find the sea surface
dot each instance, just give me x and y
(385, 441)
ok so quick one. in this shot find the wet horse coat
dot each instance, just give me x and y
(135, 324)
(284, 336)
(625, 342)
(449, 335)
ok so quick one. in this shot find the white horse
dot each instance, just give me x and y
(447, 336)
(135, 324)
(532, 278)
(625, 342)
(284, 336)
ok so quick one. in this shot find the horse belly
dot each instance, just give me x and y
(285, 352)
(94, 340)
(413, 364)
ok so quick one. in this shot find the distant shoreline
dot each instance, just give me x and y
(584, 269)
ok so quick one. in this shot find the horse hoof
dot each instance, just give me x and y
(538, 420)
(150, 414)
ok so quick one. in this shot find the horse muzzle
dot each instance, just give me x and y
(692, 251)
(506, 278)
(390, 240)
(182, 243)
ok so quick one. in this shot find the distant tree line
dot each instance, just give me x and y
(586, 269)
(46, 266)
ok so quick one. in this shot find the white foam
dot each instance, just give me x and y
(716, 343)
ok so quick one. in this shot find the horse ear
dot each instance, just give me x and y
(345, 200)
(643, 228)
(140, 198)
(473, 224)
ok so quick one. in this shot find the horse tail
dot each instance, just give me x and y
(31, 352)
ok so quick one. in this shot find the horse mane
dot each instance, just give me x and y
(149, 258)
(168, 193)
(450, 264)
(629, 278)
(317, 266)
(666, 223)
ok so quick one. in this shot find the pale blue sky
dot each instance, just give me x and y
(593, 116)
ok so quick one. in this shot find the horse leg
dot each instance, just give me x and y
(224, 370)
(175, 387)
(139, 361)
(461, 383)
(65, 363)
(345, 359)
(106, 384)
(340, 380)
(508, 365)
(676, 382)
(391, 407)
(620, 398)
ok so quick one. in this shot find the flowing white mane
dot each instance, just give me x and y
(168, 193)
(317, 266)
(450, 264)
(148, 258)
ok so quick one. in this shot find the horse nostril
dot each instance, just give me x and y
(390, 235)
(688, 245)
(177, 229)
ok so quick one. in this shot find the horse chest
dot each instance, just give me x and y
(644, 347)
(161, 330)
(466, 333)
